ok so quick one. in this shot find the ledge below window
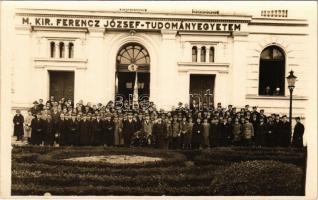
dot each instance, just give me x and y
(264, 97)
(57, 62)
(203, 66)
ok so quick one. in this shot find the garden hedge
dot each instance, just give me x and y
(260, 177)
(37, 170)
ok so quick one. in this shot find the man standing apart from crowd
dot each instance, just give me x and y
(299, 130)
(18, 121)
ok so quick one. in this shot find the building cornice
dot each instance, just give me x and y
(138, 16)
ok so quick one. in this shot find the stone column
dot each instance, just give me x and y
(207, 54)
(199, 54)
(238, 68)
(167, 70)
(57, 49)
(66, 45)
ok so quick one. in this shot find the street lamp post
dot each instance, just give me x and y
(291, 79)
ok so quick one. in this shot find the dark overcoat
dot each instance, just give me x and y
(38, 131)
(18, 121)
(299, 130)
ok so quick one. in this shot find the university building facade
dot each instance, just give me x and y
(190, 56)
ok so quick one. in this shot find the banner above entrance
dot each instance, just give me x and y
(120, 24)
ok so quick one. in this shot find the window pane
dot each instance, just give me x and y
(194, 54)
(272, 72)
(203, 54)
(133, 53)
(211, 54)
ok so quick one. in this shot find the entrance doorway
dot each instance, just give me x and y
(62, 84)
(126, 81)
(201, 89)
(136, 54)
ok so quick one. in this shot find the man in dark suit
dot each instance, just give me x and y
(73, 131)
(128, 129)
(299, 130)
(97, 130)
(62, 130)
(109, 126)
(277, 134)
(160, 133)
(84, 130)
(38, 126)
(285, 132)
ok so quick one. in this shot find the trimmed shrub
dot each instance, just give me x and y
(259, 178)
(228, 155)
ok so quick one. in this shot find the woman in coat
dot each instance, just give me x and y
(18, 121)
(27, 126)
(197, 132)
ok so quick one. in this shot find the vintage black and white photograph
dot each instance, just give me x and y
(184, 98)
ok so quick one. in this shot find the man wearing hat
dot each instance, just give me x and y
(18, 121)
(84, 131)
(129, 128)
(35, 109)
(147, 128)
(108, 138)
(160, 133)
(97, 130)
(247, 132)
(73, 131)
(299, 130)
(175, 126)
(285, 132)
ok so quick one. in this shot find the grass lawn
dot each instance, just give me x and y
(217, 171)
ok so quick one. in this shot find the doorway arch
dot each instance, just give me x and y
(137, 54)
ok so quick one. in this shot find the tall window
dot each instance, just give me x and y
(211, 54)
(70, 50)
(203, 54)
(272, 71)
(62, 49)
(194, 54)
(52, 49)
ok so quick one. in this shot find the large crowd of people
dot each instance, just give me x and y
(62, 123)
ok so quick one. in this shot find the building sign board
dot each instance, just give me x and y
(144, 24)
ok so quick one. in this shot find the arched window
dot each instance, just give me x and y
(272, 71)
(133, 53)
(211, 54)
(62, 49)
(203, 54)
(52, 49)
(194, 54)
(70, 50)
